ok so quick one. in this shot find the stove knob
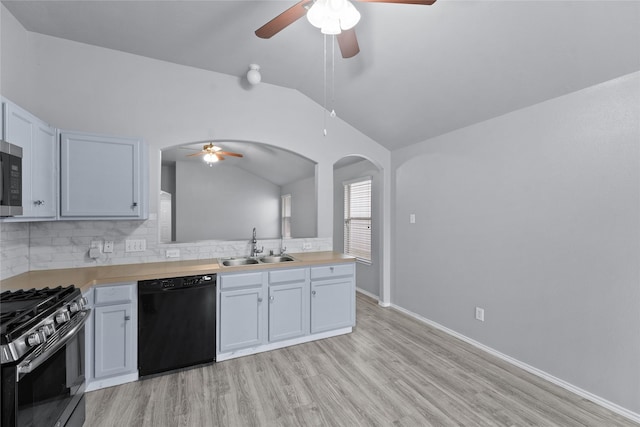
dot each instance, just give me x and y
(74, 307)
(63, 317)
(48, 329)
(83, 302)
(36, 338)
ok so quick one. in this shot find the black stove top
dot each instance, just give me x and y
(21, 310)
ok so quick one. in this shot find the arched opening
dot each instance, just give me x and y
(346, 172)
(225, 200)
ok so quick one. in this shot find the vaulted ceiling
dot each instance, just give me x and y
(422, 70)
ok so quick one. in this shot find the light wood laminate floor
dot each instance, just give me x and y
(392, 370)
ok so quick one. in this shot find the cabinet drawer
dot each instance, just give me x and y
(283, 276)
(113, 294)
(240, 280)
(331, 271)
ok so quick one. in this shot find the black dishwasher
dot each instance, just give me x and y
(176, 323)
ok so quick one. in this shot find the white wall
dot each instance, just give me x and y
(303, 207)
(80, 87)
(224, 202)
(534, 216)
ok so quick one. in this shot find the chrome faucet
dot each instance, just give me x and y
(254, 247)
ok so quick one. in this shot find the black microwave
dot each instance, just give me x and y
(10, 179)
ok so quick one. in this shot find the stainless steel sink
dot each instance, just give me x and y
(239, 261)
(276, 258)
(267, 259)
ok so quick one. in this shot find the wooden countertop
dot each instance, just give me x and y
(85, 278)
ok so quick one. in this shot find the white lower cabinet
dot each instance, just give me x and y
(288, 304)
(303, 304)
(112, 336)
(332, 297)
(241, 313)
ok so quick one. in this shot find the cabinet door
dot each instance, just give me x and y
(39, 160)
(113, 338)
(332, 304)
(43, 171)
(100, 176)
(288, 311)
(241, 319)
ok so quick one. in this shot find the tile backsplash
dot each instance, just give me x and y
(14, 249)
(66, 244)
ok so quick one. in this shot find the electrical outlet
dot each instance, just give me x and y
(173, 253)
(480, 314)
(135, 245)
(412, 218)
(108, 246)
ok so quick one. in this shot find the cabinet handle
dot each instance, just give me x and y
(313, 293)
(127, 317)
(259, 299)
(38, 202)
(134, 204)
(271, 298)
(331, 268)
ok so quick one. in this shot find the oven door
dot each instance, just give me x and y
(50, 390)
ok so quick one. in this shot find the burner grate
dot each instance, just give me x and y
(19, 310)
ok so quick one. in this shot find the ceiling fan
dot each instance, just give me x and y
(336, 17)
(213, 153)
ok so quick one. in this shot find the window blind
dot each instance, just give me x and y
(357, 219)
(286, 216)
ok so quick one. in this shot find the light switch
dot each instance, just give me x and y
(412, 218)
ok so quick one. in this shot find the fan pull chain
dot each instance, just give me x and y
(324, 100)
(333, 76)
(333, 85)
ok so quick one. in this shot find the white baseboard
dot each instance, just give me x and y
(375, 297)
(533, 370)
(97, 384)
(281, 344)
(367, 293)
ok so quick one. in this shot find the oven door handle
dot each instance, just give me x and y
(28, 365)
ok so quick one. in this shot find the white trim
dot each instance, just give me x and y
(369, 294)
(362, 178)
(281, 344)
(533, 370)
(97, 384)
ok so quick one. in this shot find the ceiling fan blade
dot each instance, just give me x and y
(283, 20)
(219, 156)
(422, 2)
(196, 154)
(348, 43)
(228, 153)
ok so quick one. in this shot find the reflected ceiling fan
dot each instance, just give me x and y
(334, 17)
(213, 153)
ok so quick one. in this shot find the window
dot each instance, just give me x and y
(285, 209)
(357, 219)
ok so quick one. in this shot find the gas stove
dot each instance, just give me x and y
(42, 346)
(30, 318)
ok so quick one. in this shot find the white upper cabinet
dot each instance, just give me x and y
(39, 161)
(102, 177)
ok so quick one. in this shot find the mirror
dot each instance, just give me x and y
(269, 188)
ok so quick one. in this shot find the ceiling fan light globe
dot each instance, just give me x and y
(331, 27)
(210, 158)
(317, 13)
(349, 16)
